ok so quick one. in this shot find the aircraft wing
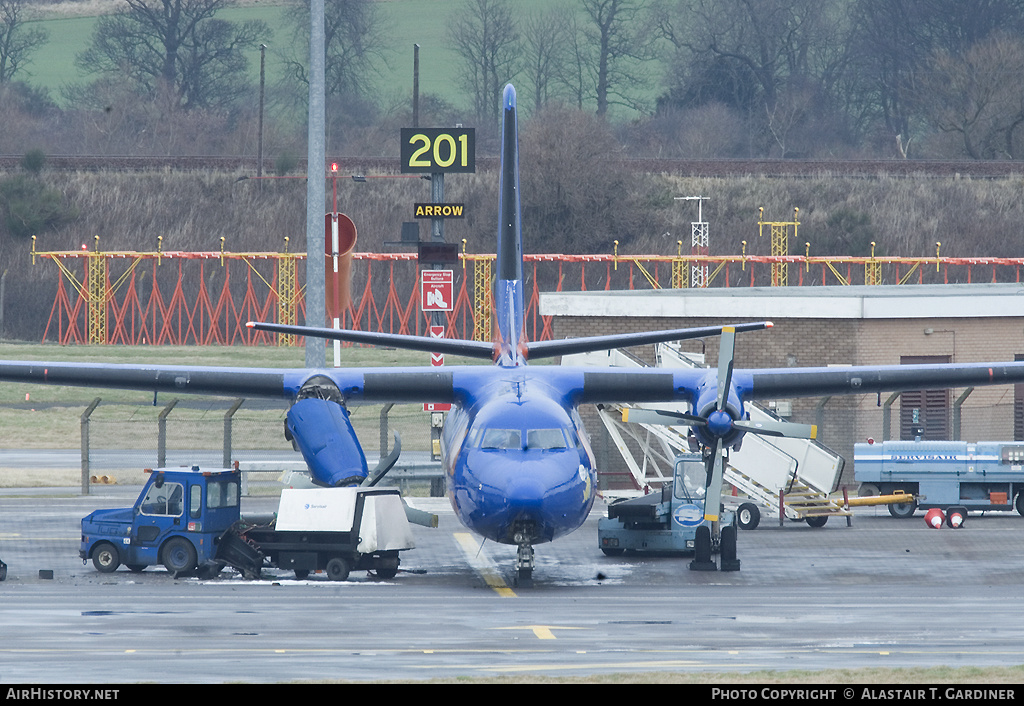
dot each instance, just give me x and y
(357, 385)
(266, 382)
(817, 382)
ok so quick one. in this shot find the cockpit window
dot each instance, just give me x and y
(502, 439)
(545, 439)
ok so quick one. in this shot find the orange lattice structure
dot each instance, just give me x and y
(182, 298)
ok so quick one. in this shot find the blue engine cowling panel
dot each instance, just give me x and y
(325, 437)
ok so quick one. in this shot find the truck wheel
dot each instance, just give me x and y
(1020, 503)
(817, 520)
(106, 558)
(903, 510)
(868, 490)
(748, 516)
(337, 569)
(179, 555)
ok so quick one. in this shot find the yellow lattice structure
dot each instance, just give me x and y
(873, 268)
(482, 299)
(680, 269)
(780, 233)
(287, 297)
(96, 296)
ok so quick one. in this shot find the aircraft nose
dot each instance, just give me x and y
(525, 492)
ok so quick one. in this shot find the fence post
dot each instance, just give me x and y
(958, 412)
(384, 435)
(819, 414)
(161, 434)
(226, 459)
(85, 444)
(887, 416)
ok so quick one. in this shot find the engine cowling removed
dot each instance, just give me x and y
(324, 436)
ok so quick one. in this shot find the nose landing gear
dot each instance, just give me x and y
(524, 559)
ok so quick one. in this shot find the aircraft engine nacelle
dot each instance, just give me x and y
(731, 437)
(324, 435)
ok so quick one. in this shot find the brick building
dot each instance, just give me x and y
(834, 326)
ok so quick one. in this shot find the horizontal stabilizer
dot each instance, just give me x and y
(568, 346)
(427, 344)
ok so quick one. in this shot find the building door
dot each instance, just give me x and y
(932, 406)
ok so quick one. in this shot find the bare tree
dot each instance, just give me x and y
(485, 36)
(546, 42)
(620, 44)
(754, 55)
(17, 40)
(977, 95)
(176, 45)
(355, 44)
(892, 43)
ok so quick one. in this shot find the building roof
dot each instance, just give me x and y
(834, 302)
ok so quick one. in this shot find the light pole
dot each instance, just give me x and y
(259, 138)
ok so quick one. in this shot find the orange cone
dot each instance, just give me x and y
(934, 518)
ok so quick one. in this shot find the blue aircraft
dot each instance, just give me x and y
(518, 464)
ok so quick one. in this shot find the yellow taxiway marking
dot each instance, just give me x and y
(543, 632)
(479, 561)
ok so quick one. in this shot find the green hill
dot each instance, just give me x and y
(409, 22)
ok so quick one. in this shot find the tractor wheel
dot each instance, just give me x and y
(179, 555)
(106, 558)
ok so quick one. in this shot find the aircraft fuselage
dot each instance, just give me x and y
(518, 463)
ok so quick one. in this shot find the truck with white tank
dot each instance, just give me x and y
(982, 475)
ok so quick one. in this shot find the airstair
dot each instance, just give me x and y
(797, 474)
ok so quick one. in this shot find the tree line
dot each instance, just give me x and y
(675, 78)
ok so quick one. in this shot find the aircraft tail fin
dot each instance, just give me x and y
(508, 287)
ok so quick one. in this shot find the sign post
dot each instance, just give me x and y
(339, 240)
(436, 151)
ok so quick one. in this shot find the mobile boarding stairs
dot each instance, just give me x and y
(798, 474)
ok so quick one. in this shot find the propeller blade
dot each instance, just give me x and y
(659, 416)
(785, 429)
(713, 495)
(727, 348)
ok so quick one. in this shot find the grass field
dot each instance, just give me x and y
(409, 22)
(42, 416)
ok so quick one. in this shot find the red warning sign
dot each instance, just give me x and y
(437, 290)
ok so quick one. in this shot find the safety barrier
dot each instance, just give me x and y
(180, 298)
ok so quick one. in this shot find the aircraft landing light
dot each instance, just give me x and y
(472, 548)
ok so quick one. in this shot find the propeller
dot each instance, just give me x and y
(719, 425)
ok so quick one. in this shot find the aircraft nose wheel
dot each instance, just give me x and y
(524, 562)
(702, 560)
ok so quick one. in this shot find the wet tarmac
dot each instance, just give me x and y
(883, 592)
